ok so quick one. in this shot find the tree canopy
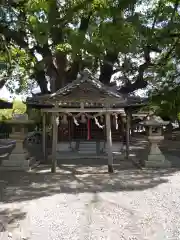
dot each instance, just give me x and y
(166, 102)
(18, 107)
(45, 42)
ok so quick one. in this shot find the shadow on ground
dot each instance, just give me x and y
(10, 218)
(22, 186)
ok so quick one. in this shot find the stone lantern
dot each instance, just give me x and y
(19, 159)
(154, 126)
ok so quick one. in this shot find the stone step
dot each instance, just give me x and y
(87, 147)
(14, 168)
(86, 152)
(15, 163)
(87, 142)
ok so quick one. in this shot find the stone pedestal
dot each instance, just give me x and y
(156, 159)
(154, 127)
(18, 159)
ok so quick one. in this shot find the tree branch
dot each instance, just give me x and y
(40, 77)
(157, 13)
(140, 81)
(176, 4)
(75, 67)
(3, 81)
(45, 51)
(69, 14)
(13, 35)
(106, 69)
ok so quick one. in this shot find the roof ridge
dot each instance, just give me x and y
(86, 76)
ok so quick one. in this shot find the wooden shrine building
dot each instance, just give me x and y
(86, 110)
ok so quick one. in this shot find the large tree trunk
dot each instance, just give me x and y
(77, 61)
(61, 63)
(106, 68)
(39, 75)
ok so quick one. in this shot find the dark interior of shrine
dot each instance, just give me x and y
(89, 130)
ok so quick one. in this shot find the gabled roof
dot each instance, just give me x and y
(90, 91)
(85, 88)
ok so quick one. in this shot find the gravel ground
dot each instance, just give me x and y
(128, 205)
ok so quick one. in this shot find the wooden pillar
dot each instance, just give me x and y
(44, 136)
(127, 132)
(109, 143)
(54, 142)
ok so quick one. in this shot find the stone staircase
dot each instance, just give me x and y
(91, 147)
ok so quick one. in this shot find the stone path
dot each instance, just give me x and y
(84, 203)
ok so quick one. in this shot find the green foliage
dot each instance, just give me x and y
(5, 56)
(166, 102)
(82, 33)
(18, 107)
(35, 114)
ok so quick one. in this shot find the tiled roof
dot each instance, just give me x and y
(86, 89)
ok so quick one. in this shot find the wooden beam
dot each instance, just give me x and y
(100, 110)
(44, 137)
(127, 133)
(66, 110)
(54, 142)
(109, 143)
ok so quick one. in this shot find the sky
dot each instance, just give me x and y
(5, 94)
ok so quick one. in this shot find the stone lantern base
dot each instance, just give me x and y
(18, 159)
(156, 159)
